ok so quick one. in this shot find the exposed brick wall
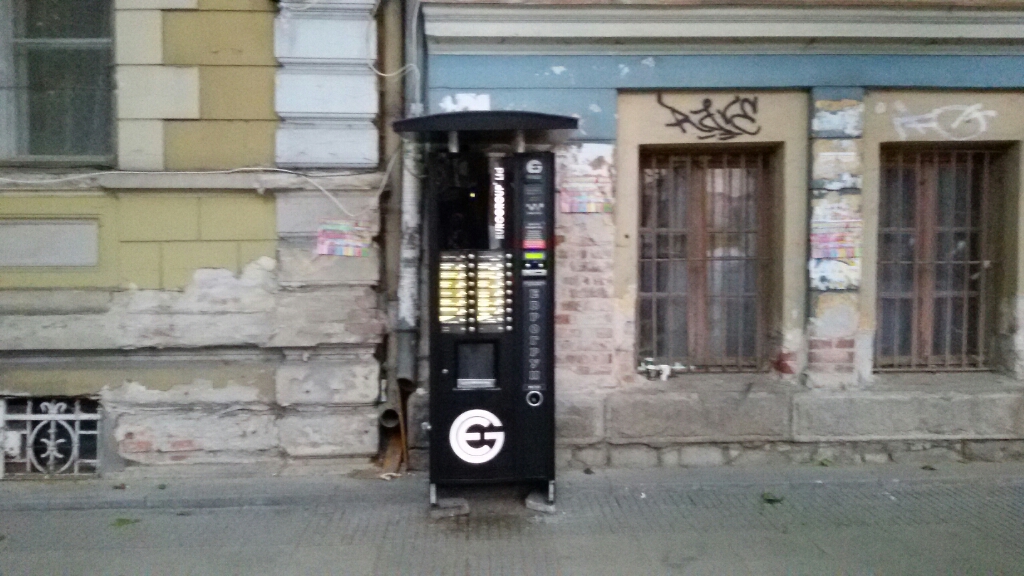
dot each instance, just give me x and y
(585, 308)
(831, 356)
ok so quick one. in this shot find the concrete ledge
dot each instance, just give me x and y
(695, 417)
(55, 302)
(897, 415)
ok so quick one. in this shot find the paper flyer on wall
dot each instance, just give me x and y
(343, 238)
(585, 177)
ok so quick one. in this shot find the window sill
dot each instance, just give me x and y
(742, 382)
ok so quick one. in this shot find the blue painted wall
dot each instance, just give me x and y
(587, 86)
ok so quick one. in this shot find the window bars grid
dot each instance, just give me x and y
(49, 437)
(934, 267)
(703, 238)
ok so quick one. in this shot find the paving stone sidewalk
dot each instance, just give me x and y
(960, 519)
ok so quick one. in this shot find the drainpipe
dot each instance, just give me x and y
(409, 258)
(391, 50)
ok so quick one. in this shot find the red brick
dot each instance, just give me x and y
(845, 343)
(136, 446)
(561, 318)
(819, 344)
(183, 445)
(785, 363)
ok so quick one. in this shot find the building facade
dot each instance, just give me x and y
(787, 233)
(167, 168)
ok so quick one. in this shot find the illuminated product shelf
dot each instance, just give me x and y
(473, 293)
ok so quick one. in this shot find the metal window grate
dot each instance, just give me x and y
(704, 223)
(934, 266)
(49, 436)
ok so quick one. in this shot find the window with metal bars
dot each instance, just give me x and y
(704, 249)
(935, 261)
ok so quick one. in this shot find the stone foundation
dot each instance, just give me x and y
(735, 420)
(638, 456)
(788, 453)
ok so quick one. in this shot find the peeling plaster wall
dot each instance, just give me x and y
(836, 236)
(230, 370)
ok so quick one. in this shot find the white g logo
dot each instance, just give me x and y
(534, 167)
(476, 447)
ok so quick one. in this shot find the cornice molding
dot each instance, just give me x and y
(530, 23)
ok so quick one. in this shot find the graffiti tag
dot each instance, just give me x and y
(737, 118)
(954, 122)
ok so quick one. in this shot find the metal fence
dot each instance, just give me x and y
(704, 236)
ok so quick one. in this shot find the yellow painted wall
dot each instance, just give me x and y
(152, 239)
(231, 42)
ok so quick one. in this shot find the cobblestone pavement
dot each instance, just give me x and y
(966, 520)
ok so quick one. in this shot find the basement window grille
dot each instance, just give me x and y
(935, 264)
(704, 245)
(49, 436)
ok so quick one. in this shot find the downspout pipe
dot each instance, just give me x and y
(407, 320)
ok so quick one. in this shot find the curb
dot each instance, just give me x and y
(99, 495)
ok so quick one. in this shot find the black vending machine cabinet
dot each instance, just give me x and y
(489, 198)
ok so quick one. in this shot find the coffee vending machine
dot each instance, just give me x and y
(489, 205)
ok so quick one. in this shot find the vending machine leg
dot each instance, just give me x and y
(551, 492)
(433, 494)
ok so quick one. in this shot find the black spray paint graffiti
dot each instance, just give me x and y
(737, 118)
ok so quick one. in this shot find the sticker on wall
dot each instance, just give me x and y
(585, 177)
(343, 238)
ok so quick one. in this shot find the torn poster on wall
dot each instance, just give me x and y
(343, 238)
(585, 177)
(837, 230)
(836, 227)
(834, 274)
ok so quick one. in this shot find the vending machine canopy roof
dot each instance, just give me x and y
(491, 125)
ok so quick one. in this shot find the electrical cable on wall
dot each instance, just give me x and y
(307, 177)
